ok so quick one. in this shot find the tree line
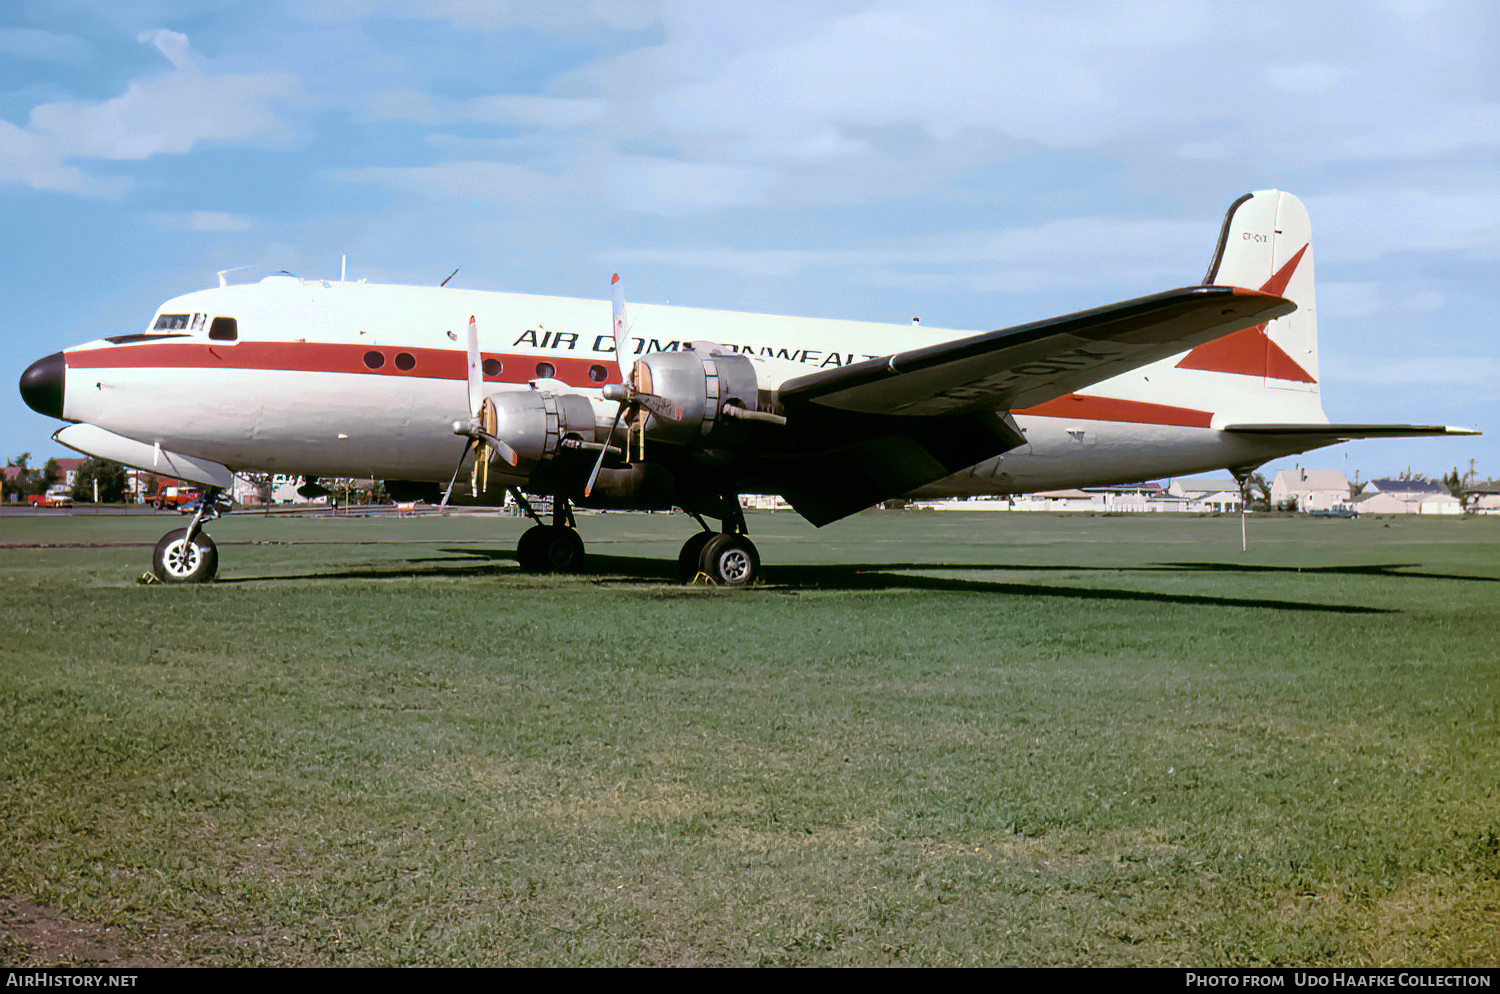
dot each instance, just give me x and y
(25, 480)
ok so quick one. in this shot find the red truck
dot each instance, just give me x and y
(52, 498)
(174, 497)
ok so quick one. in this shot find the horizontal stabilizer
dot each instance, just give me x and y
(1349, 431)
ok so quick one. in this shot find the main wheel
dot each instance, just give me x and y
(730, 560)
(550, 549)
(176, 560)
(690, 559)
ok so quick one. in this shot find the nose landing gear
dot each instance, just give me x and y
(188, 555)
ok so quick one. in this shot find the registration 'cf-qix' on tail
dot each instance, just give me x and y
(691, 408)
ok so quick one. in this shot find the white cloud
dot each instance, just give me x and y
(28, 159)
(203, 221)
(168, 114)
(172, 44)
(1077, 253)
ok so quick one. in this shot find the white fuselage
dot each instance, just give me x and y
(359, 380)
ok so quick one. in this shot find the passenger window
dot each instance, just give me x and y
(224, 330)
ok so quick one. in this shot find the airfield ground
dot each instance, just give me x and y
(929, 738)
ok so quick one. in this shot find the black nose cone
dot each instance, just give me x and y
(42, 385)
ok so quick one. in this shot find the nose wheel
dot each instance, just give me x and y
(180, 558)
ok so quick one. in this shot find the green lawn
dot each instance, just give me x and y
(929, 738)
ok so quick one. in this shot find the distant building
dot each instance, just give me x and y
(246, 491)
(1482, 497)
(1129, 498)
(1203, 496)
(67, 471)
(1398, 496)
(1416, 489)
(1311, 489)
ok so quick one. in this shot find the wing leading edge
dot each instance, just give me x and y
(1347, 432)
(1020, 367)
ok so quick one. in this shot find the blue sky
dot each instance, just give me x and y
(977, 164)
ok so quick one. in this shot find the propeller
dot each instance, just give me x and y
(618, 320)
(628, 395)
(474, 429)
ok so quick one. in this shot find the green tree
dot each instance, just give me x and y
(28, 480)
(112, 481)
(1258, 493)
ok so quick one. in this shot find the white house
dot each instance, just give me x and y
(1221, 495)
(1312, 489)
(1398, 503)
(1407, 496)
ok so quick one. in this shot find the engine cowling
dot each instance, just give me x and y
(535, 423)
(696, 387)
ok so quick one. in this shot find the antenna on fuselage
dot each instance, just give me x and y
(343, 267)
(450, 276)
(222, 281)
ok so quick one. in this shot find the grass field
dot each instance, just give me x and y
(929, 738)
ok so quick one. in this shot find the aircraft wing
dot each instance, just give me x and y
(1020, 367)
(1345, 432)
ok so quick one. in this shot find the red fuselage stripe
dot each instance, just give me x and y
(324, 357)
(1086, 408)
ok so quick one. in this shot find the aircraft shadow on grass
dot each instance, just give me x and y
(789, 578)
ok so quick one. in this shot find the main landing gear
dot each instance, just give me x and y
(188, 555)
(554, 548)
(727, 558)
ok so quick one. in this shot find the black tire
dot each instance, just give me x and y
(178, 561)
(690, 559)
(730, 561)
(550, 549)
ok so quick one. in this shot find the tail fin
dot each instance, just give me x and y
(1266, 244)
(1271, 391)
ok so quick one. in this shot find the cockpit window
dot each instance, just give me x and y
(171, 322)
(224, 330)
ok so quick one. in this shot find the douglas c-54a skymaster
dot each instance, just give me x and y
(425, 386)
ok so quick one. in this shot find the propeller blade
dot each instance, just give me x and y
(449, 492)
(588, 487)
(499, 448)
(620, 327)
(659, 406)
(476, 370)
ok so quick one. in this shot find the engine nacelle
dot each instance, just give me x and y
(534, 423)
(697, 387)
